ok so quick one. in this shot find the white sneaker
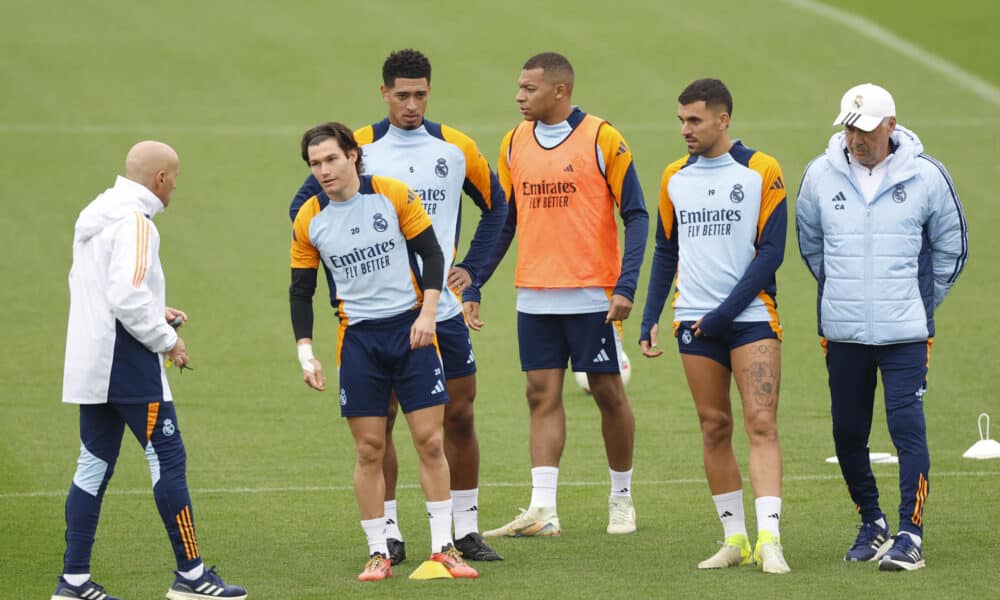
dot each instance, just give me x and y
(769, 555)
(533, 522)
(735, 552)
(621, 514)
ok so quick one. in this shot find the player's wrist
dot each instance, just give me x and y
(306, 357)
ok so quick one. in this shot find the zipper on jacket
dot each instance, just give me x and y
(869, 310)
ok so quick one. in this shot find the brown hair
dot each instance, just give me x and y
(332, 130)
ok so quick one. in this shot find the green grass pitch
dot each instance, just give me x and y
(233, 84)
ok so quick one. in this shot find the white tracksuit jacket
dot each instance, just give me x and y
(117, 327)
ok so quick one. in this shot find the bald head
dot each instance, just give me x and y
(154, 165)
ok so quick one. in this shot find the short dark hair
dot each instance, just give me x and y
(407, 63)
(712, 91)
(550, 63)
(332, 130)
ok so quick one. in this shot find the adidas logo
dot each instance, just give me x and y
(623, 491)
(778, 184)
(568, 169)
(725, 514)
(774, 516)
(206, 589)
(438, 388)
(622, 149)
(840, 197)
(472, 358)
(390, 521)
(473, 509)
(602, 356)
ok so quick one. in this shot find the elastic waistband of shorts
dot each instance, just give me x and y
(404, 318)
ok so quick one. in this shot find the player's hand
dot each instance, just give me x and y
(315, 379)
(172, 314)
(649, 349)
(459, 279)
(471, 310)
(178, 354)
(422, 331)
(696, 328)
(619, 308)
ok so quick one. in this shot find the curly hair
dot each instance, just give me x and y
(407, 63)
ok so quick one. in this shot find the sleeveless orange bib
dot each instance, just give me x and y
(566, 229)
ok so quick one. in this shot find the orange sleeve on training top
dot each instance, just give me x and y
(503, 166)
(477, 168)
(666, 205)
(772, 192)
(617, 158)
(304, 254)
(413, 219)
(364, 135)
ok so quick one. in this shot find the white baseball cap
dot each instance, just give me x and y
(864, 106)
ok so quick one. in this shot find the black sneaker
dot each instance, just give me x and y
(397, 550)
(474, 547)
(89, 590)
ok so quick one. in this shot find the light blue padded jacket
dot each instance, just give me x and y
(882, 268)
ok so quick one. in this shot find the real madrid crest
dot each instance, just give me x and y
(736, 196)
(899, 193)
(379, 223)
(858, 101)
(441, 168)
(686, 336)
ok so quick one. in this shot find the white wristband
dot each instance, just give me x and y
(306, 357)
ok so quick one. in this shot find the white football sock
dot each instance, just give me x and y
(621, 483)
(465, 511)
(729, 507)
(392, 521)
(768, 514)
(77, 579)
(375, 532)
(194, 573)
(439, 515)
(544, 481)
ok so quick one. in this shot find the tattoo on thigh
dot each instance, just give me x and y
(763, 382)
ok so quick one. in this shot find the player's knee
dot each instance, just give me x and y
(908, 429)
(761, 427)
(716, 429)
(845, 436)
(167, 460)
(92, 472)
(541, 400)
(459, 422)
(370, 450)
(609, 394)
(430, 447)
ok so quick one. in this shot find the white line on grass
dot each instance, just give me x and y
(292, 131)
(409, 486)
(973, 83)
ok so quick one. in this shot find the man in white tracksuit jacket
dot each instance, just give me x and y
(118, 337)
(882, 230)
